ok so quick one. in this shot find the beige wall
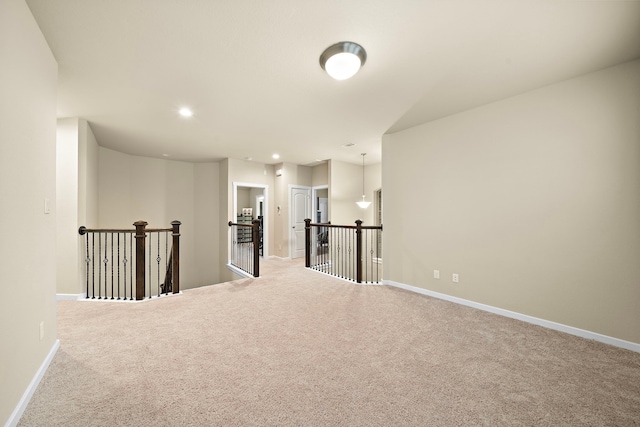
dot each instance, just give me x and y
(158, 191)
(533, 200)
(292, 174)
(206, 218)
(372, 182)
(76, 199)
(67, 206)
(28, 79)
(345, 189)
(320, 175)
(87, 175)
(243, 194)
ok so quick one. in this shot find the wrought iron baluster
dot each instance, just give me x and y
(333, 250)
(112, 266)
(124, 264)
(352, 252)
(377, 254)
(374, 237)
(150, 265)
(158, 259)
(93, 265)
(166, 256)
(100, 266)
(364, 255)
(87, 260)
(340, 254)
(105, 261)
(118, 265)
(131, 238)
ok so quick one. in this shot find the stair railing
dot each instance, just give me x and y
(346, 251)
(114, 265)
(245, 247)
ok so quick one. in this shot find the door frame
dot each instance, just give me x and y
(292, 213)
(265, 206)
(314, 204)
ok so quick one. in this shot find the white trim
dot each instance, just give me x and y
(238, 271)
(352, 281)
(70, 297)
(616, 342)
(33, 385)
(129, 301)
(314, 196)
(279, 258)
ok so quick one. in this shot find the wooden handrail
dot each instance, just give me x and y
(84, 230)
(352, 227)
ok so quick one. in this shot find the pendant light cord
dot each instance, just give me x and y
(363, 154)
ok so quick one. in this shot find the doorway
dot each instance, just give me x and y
(320, 206)
(253, 201)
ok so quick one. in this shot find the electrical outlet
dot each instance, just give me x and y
(455, 277)
(42, 330)
(436, 274)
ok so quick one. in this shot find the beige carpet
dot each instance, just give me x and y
(296, 347)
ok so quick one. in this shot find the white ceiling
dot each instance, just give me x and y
(249, 69)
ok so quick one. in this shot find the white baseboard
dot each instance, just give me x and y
(628, 345)
(239, 272)
(70, 297)
(26, 397)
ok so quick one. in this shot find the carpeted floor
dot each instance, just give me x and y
(297, 347)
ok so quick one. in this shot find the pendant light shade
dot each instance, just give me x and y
(363, 203)
(343, 60)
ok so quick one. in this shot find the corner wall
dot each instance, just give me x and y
(158, 191)
(28, 84)
(532, 200)
(76, 199)
(345, 189)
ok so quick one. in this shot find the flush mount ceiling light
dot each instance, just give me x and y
(343, 60)
(185, 112)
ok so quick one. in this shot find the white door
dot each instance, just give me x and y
(300, 210)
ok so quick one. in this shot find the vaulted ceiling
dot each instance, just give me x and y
(249, 69)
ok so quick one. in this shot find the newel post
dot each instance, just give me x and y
(307, 243)
(359, 251)
(175, 256)
(255, 237)
(141, 236)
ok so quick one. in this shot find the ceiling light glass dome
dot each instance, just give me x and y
(343, 60)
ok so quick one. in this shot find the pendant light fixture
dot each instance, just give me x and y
(343, 60)
(363, 204)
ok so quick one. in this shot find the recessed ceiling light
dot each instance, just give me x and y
(185, 112)
(276, 156)
(248, 158)
(165, 155)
